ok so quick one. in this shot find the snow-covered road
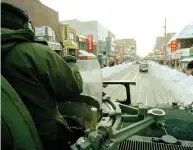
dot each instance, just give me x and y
(108, 71)
(160, 85)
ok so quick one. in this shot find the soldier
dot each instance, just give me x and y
(39, 76)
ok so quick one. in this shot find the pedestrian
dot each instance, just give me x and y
(39, 76)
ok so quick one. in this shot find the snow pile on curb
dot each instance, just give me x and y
(108, 71)
(180, 84)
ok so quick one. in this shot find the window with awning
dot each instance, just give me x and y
(186, 43)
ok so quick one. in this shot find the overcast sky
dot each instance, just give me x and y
(139, 19)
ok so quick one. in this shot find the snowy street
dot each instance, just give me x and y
(160, 85)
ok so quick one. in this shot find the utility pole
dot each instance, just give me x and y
(165, 52)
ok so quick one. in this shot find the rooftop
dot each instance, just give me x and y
(186, 33)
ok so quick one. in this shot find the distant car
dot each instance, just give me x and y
(143, 67)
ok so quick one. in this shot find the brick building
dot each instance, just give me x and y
(39, 14)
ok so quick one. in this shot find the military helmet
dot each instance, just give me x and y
(13, 17)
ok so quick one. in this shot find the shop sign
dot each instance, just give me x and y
(55, 46)
(65, 32)
(82, 40)
(90, 43)
(40, 31)
(108, 43)
(174, 45)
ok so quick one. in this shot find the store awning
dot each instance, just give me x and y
(187, 59)
(70, 44)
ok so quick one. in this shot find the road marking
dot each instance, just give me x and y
(135, 76)
(125, 77)
(121, 90)
(146, 99)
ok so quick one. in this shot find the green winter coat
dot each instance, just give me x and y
(40, 77)
(17, 127)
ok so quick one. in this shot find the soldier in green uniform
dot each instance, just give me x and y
(40, 76)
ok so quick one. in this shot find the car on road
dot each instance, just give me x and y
(137, 62)
(143, 67)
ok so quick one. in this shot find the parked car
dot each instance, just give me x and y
(143, 67)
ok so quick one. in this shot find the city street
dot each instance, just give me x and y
(148, 89)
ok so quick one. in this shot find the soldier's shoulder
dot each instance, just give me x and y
(33, 46)
(33, 50)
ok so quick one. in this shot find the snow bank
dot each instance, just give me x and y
(108, 71)
(180, 84)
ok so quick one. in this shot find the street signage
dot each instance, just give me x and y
(174, 45)
(65, 32)
(90, 43)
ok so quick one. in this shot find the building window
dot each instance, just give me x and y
(186, 43)
(45, 33)
(71, 36)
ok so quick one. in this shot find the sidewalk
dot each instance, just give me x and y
(180, 84)
(187, 72)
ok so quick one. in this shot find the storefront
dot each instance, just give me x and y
(176, 57)
(160, 58)
(187, 56)
(82, 42)
(173, 59)
(72, 48)
(68, 39)
(181, 45)
(179, 51)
